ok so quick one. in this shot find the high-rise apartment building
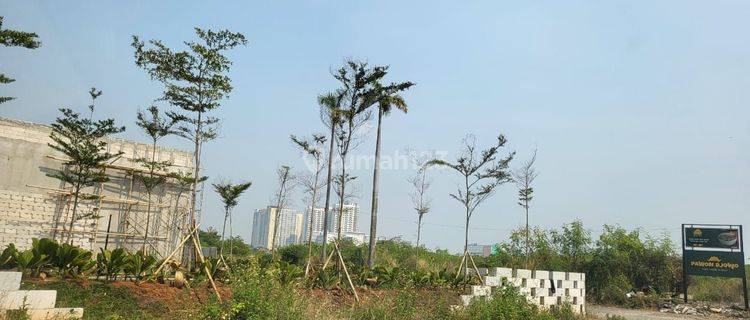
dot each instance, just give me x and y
(290, 228)
(348, 221)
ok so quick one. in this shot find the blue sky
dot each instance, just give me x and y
(638, 109)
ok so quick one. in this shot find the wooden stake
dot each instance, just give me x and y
(476, 269)
(178, 248)
(205, 266)
(341, 259)
(460, 266)
(328, 260)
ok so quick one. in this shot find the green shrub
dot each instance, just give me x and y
(506, 303)
(139, 265)
(8, 257)
(70, 261)
(111, 263)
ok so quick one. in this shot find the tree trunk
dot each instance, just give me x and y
(189, 252)
(312, 221)
(223, 230)
(148, 221)
(375, 186)
(466, 244)
(342, 198)
(73, 214)
(231, 244)
(466, 229)
(527, 234)
(419, 228)
(279, 201)
(328, 194)
(150, 190)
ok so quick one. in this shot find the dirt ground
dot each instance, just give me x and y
(637, 314)
(173, 298)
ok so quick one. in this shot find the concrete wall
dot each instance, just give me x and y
(31, 205)
(541, 287)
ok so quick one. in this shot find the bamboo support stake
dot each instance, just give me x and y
(182, 243)
(475, 269)
(341, 259)
(460, 266)
(328, 260)
(205, 266)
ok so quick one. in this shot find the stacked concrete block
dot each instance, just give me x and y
(38, 304)
(541, 288)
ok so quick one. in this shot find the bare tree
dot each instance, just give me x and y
(419, 197)
(524, 177)
(286, 184)
(312, 182)
(482, 172)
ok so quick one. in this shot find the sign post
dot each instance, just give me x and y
(713, 250)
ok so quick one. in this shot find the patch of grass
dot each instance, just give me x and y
(101, 301)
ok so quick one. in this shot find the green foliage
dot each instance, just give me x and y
(294, 254)
(105, 301)
(70, 261)
(288, 273)
(8, 257)
(111, 263)
(30, 262)
(139, 265)
(194, 80)
(15, 38)
(326, 279)
(506, 303)
(82, 141)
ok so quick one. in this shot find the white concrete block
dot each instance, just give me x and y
(493, 281)
(466, 299)
(516, 282)
(502, 272)
(574, 276)
(10, 281)
(541, 274)
(558, 275)
(531, 283)
(522, 273)
(481, 290)
(55, 314)
(566, 284)
(30, 299)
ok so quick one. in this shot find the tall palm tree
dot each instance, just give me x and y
(229, 194)
(388, 99)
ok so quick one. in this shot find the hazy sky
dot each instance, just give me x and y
(638, 109)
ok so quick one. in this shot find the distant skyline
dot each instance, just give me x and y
(639, 110)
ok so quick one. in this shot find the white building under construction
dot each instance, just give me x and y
(34, 205)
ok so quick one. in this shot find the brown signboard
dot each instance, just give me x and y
(715, 238)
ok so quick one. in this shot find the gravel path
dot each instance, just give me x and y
(635, 314)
